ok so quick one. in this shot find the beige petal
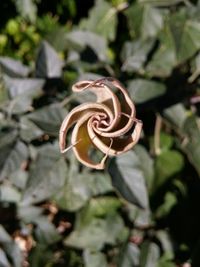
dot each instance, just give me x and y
(75, 115)
(84, 144)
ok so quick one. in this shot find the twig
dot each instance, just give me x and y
(157, 130)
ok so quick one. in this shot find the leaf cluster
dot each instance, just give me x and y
(142, 210)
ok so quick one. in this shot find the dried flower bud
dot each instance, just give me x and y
(109, 125)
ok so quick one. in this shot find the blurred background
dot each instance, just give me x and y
(143, 209)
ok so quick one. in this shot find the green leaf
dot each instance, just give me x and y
(14, 253)
(148, 167)
(189, 126)
(186, 35)
(19, 105)
(47, 175)
(14, 156)
(144, 90)
(82, 40)
(170, 200)
(19, 178)
(134, 55)
(141, 217)
(96, 233)
(128, 178)
(3, 259)
(46, 232)
(48, 118)
(94, 259)
(164, 59)
(166, 142)
(29, 130)
(129, 256)
(29, 87)
(3, 90)
(4, 236)
(177, 114)
(167, 244)
(144, 21)
(29, 214)
(167, 164)
(14, 68)
(9, 194)
(102, 20)
(48, 63)
(27, 9)
(101, 206)
(79, 188)
(192, 141)
(149, 254)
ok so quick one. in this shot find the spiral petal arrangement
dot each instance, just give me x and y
(108, 125)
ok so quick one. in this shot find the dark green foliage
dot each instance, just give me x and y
(143, 209)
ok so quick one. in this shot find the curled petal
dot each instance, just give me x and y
(109, 125)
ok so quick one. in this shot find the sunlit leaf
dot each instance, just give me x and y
(134, 55)
(13, 68)
(167, 164)
(48, 64)
(149, 254)
(144, 20)
(29, 87)
(94, 259)
(27, 9)
(97, 233)
(48, 118)
(41, 182)
(130, 256)
(90, 44)
(102, 20)
(143, 90)
(14, 156)
(128, 178)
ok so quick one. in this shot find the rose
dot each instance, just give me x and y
(108, 125)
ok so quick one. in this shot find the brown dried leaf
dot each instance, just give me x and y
(109, 125)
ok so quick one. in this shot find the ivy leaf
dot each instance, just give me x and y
(142, 90)
(128, 178)
(164, 59)
(48, 118)
(167, 164)
(14, 68)
(19, 105)
(96, 233)
(94, 259)
(86, 42)
(14, 156)
(48, 63)
(29, 130)
(192, 144)
(134, 55)
(27, 9)
(177, 114)
(46, 232)
(102, 20)
(144, 20)
(29, 87)
(9, 193)
(186, 35)
(41, 182)
(130, 256)
(149, 254)
(3, 259)
(79, 188)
